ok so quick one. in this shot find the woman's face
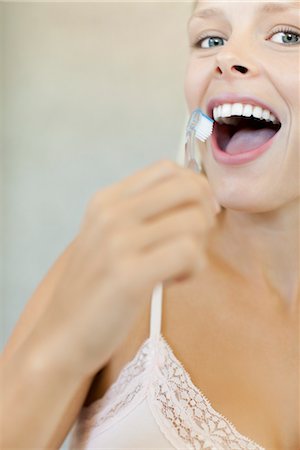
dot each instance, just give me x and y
(249, 49)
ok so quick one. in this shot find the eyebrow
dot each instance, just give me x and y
(267, 8)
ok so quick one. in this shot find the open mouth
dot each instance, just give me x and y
(243, 134)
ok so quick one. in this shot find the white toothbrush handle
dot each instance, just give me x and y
(190, 161)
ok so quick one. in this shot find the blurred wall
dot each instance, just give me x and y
(2, 317)
(92, 92)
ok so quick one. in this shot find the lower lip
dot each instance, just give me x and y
(240, 158)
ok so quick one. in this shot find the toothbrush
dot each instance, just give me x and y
(200, 126)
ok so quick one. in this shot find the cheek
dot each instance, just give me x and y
(197, 78)
(288, 87)
(283, 72)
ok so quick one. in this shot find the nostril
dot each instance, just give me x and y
(241, 69)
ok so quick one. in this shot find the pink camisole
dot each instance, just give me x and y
(154, 405)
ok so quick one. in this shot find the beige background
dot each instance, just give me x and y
(91, 92)
(2, 317)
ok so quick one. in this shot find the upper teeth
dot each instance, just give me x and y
(239, 109)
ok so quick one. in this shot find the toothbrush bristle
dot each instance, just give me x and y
(203, 129)
(201, 124)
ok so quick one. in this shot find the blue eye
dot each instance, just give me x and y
(213, 41)
(287, 36)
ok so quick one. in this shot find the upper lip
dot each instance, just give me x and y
(235, 98)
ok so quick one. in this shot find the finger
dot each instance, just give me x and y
(167, 262)
(138, 182)
(191, 221)
(169, 194)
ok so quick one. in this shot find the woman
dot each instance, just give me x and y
(217, 367)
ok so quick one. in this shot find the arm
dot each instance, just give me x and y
(37, 303)
(89, 301)
(41, 398)
(45, 388)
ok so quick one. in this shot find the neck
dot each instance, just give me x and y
(263, 248)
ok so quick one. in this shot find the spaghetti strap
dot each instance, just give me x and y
(156, 310)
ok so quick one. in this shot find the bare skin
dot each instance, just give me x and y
(242, 311)
(241, 308)
(260, 231)
(147, 228)
(242, 355)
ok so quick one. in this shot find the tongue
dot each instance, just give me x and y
(248, 139)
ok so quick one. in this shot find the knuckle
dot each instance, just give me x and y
(91, 211)
(203, 180)
(168, 165)
(189, 249)
(106, 219)
(95, 201)
(193, 188)
(94, 207)
(191, 184)
(204, 185)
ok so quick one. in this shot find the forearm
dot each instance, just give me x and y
(40, 399)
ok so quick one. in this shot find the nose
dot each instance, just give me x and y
(229, 66)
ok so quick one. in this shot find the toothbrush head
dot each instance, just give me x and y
(204, 127)
(201, 124)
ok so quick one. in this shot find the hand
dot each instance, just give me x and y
(151, 227)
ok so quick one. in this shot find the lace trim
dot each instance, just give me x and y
(130, 372)
(121, 397)
(184, 415)
(180, 407)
